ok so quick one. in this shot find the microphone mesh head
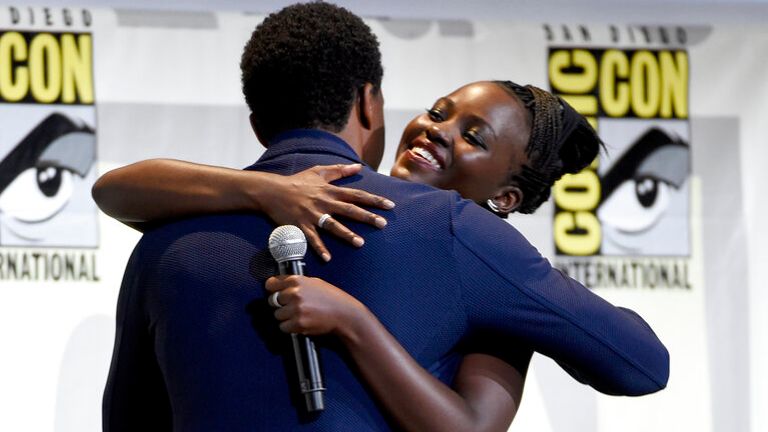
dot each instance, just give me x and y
(287, 242)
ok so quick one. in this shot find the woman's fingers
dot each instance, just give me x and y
(330, 173)
(339, 230)
(285, 312)
(290, 326)
(290, 319)
(279, 283)
(334, 227)
(354, 212)
(321, 198)
(362, 197)
(316, 242)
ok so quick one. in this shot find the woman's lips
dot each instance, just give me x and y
(424, 153)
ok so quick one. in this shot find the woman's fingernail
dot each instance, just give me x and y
(381, 222)
(326, 256)
(358, 241)
(388, 204)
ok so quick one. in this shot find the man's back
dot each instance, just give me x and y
(225, 362)
(193, 316)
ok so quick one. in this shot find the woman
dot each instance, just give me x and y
(496, 143)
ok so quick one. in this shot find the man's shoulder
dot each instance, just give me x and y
(206, 231)
(403, 192)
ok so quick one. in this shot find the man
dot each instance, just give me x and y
(197, 348)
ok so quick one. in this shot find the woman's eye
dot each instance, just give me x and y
(435, 114)
(37, 193)
(475, 139)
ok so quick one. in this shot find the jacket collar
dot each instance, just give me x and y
(299, 141)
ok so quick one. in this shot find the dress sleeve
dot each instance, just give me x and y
(511, 290)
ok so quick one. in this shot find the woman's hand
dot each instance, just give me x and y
(301, 199)
(311, 306)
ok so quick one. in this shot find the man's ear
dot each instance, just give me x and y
(255, 127)
(507, 199)
(368, 97)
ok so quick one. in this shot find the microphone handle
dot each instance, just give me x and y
(305, 354)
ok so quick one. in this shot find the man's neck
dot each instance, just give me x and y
(353, 138)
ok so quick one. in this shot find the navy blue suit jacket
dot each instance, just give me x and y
(198, 348)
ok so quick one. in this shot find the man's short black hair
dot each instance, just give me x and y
(303, 66)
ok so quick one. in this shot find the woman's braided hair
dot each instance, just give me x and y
(561, 142)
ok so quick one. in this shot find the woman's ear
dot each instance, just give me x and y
(507, 199)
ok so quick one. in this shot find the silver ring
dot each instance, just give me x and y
(272, 300)
(323, 219)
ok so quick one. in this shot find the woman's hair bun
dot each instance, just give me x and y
(579, 148)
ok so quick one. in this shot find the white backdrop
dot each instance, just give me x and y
(167, 85)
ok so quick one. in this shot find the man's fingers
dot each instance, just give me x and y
(339, 230)
(317, 244)
(330, 173)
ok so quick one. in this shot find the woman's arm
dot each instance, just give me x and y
(159, 189)
(486, 392)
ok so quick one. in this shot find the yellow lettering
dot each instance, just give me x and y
(577, 233)
(45, 68)
(14, 83)
(569, 81)
(77, 69)
(674, 90)
(645, 84)
(576, 192)
(614, 96)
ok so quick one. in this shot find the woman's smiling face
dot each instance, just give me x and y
(469, 141)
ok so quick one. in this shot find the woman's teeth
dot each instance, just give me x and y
(426, 155)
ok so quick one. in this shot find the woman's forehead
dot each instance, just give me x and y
(490, 101)
(484, 96)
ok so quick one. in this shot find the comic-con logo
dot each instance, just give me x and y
(47, 140)
(634, 201)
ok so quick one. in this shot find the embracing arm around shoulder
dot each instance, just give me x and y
(160, 189)
(610, 348)
(486, 393)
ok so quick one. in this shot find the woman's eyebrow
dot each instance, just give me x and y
(446, 101)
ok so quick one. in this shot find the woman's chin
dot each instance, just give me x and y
(400, 172)
(406, 173)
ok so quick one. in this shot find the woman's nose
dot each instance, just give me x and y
(437, 135)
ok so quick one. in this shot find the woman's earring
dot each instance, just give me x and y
(492, 205)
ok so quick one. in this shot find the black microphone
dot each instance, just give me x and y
(288, 245)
